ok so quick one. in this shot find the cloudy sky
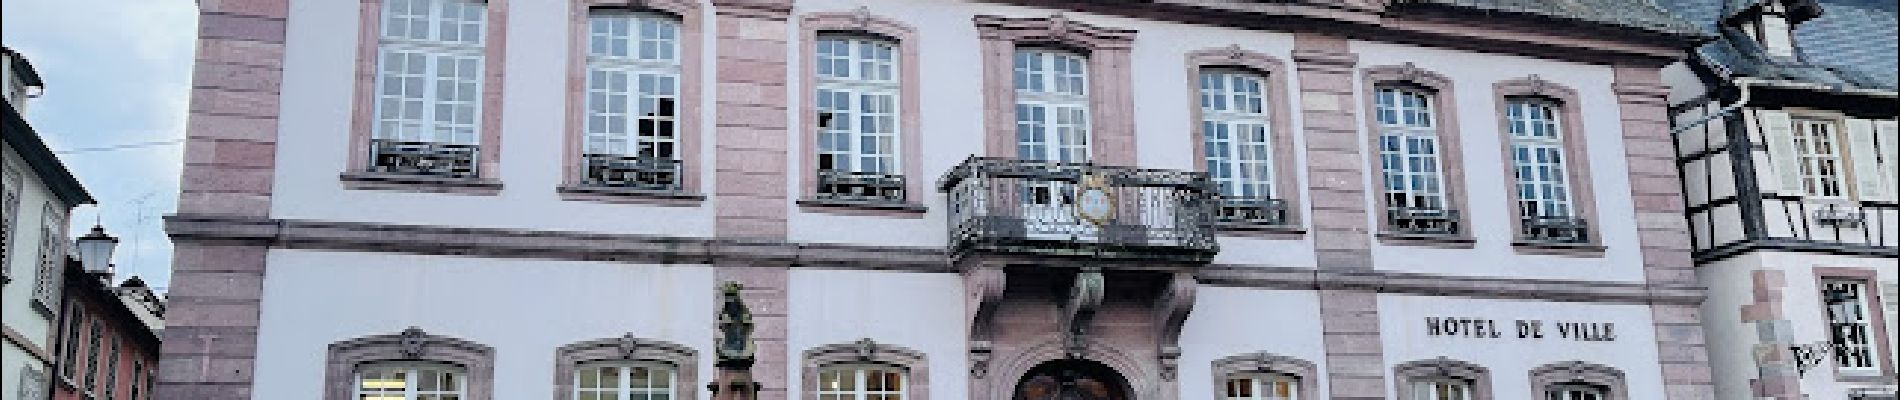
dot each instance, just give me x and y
(117, 72)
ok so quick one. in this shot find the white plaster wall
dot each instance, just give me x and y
(1802, 304)
(524, 309)
(1730, 284)
(1486, 177)
(922, 312)
(313, 136)
(1510, 359)
(1230, 321)
(23, 261)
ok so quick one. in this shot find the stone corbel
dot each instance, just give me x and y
(984, 288)
(1171, 312)
(1085, 297)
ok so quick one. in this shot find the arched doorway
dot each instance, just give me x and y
(1072, 380)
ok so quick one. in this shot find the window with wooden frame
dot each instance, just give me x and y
(1828, 156)
(858, 91)
(1261, 386)
(410, 381)
(624, 381)
(1410, 160)
(632, 122)
(1237, 145)
(1540, 165)
(1052, 105)
(1851, 326)
(860, 382)
(428, 87)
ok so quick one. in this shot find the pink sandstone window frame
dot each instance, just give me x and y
(363, 107)
(1450, 149)
(1111, 95)
(1870, 281)
(1576, 152)
(574, 129)
(909, 103)
(1271, 70)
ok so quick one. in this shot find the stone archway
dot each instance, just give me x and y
(1072, 379)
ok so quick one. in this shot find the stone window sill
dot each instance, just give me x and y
(866, 208)
(420, 183)
(1261, 231)
(1862, 377)
(608, 194)
(1427, 240)
(1560, 249)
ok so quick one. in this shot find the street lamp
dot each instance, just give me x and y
(95, 250)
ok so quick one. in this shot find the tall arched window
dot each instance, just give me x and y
(632, 107)
(1052, 105)
(1410, 157)
(858, 102)
(428, 89)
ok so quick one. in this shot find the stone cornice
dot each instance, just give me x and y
(510, 243)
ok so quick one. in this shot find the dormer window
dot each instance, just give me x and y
(1772, 30)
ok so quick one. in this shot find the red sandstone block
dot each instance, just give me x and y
(240, 27)
(207, 258)
(752, 138)
(236, 77)
(740, 70)
(244, 52)
(768, 50)
(752, 116)
(262, 8)
(749, 227)
(224, 203)
(750, 161)
(258, 129)
(201, 369)
(752, 93)
(228, 102)
(739, 206)
(192, 311)
(215, 178)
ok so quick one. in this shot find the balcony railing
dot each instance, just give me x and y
(423, 158)
(1423, 221)
(1860, 224)
(860, 187)
(1252, 211)
(634, 173)
(1047, 208)
(1550, 229)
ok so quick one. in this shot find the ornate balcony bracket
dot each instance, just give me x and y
(1171, 311)
(985, 285)
(1085, 297)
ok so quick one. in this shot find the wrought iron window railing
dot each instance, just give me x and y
(1037, 207)
(1556, 229)
(1252, 211)
(636, 173)
(1423, 221)
(423, 158)
(862, 187)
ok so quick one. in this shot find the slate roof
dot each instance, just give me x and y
(1850, 44)
(1639, 14)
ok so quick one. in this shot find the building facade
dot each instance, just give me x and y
(108, 343)
(39, 195)
(1791, 194)
(423, 199)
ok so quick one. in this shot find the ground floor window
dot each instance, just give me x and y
(1262, 387)
(1575, 392)
(1850, 326)
(1441, 389)
(623, 382)
(410, 381)
(861, 383)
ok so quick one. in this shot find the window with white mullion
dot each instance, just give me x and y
(860, 383)
(640, 381)
(1262, 387)
(1575, 392)
(633, 71)
(1441, 389)
(1052, 111)
(410, 382)
(1850, 328)
(857, 91)
(429, 80)
(1409, 149)
(1820, 158)
(1537, 156)
(1235, 130)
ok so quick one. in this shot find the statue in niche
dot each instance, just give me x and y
(735, 347)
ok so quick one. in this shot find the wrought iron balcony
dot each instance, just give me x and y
(634, 173)
(1423, 221)
(423, 158)
(1066, 209)
(1252, 211)
(1556, 229)
(860, 187)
